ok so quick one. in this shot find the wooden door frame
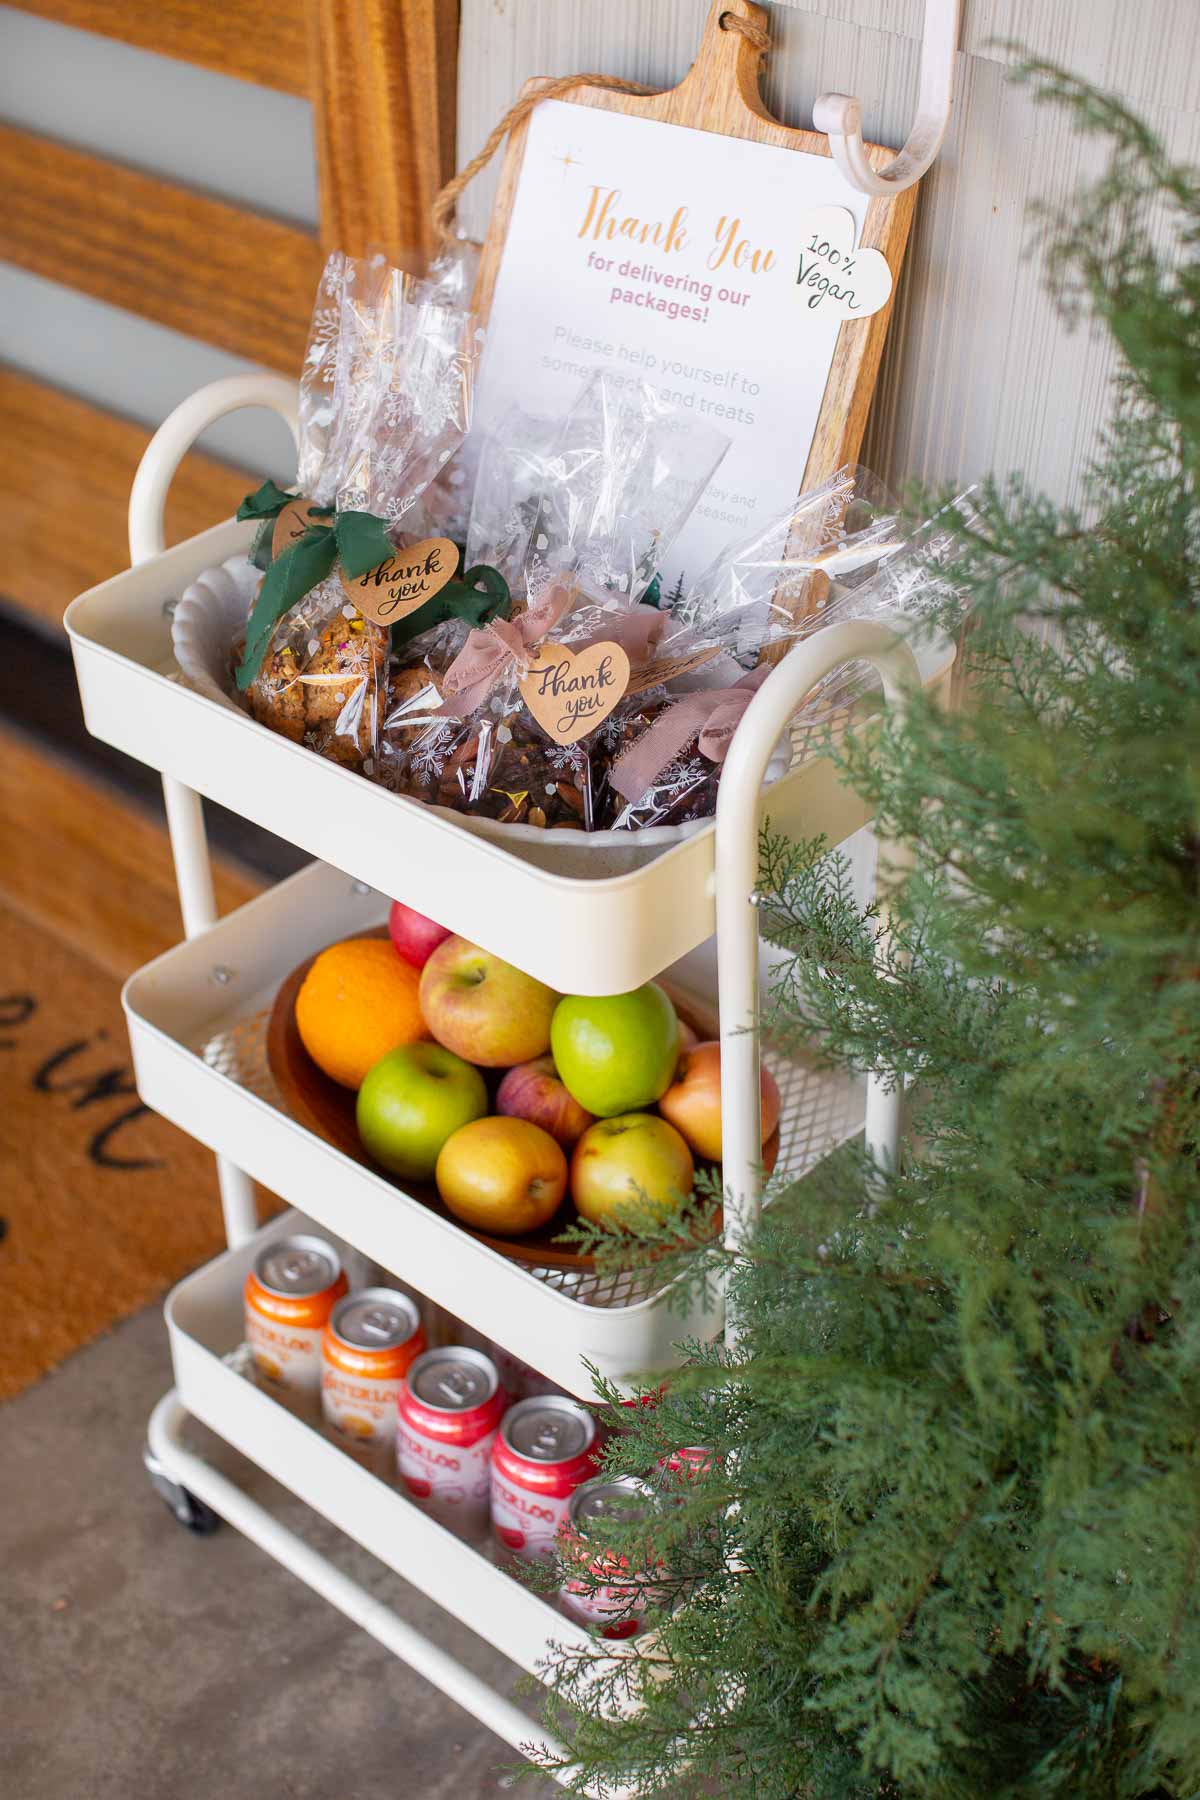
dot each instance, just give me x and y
(384, 87)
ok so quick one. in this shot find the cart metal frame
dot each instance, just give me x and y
(180, 1470)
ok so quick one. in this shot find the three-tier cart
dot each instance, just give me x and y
(197, 1016)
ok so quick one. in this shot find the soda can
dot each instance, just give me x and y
(369, 1344)
(679, 1467)
(290, 1292)
(614, 1601)
(544, 1450)
(519, 1379)
(447, 1414)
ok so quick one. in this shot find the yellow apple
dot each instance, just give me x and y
(618, 1161)
(504, 1176)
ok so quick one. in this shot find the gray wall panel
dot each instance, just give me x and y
(245, 143)
(129, 366)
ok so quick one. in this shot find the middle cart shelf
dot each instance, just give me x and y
(197, 1018)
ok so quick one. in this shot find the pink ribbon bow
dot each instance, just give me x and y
(507, 643)
(497, 647)
(710, 715)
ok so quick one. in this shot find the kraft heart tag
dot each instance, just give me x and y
(834, 277)
(292, 523)
(569, 694)
(398, 585)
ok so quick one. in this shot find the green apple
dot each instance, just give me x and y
(617, 1053)
(411, 1101)
(618, 1161)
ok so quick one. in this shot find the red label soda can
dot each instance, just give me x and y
(519, 1379)
(679, 1467)
(544, 1451)
(448, 1411)
(290, 1292)
(370, 1342)
(615, 1599)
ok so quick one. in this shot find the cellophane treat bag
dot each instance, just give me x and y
(507, 469)
(836, 554)
(577, 517)
(385, 401)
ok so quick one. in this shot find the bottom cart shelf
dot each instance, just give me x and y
(204, 1322)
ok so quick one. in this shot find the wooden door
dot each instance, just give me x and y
(86, 885)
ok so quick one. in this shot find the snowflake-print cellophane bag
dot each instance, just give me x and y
(385, 402)
(577, 518)
(840, 553)
(506, 470)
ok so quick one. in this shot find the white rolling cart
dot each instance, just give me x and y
(196, 1019)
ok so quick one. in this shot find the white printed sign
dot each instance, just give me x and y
(718, 269)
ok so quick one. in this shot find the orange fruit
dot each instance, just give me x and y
(358, 1001)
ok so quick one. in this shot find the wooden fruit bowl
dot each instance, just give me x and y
(326, 1108)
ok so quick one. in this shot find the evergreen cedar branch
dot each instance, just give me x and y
(962, 1434)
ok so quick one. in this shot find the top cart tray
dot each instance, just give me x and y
(591, 933)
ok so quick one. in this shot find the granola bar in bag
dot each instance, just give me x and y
(385, 402)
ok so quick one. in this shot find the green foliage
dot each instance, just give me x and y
(950, 1543)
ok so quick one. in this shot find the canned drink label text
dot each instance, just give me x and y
(287, 1355)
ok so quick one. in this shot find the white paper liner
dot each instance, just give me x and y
(208, 616)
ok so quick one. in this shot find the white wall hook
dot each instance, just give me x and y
(840, 115)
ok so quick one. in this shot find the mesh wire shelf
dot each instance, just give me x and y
(818, 1110)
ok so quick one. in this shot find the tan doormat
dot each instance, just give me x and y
(104, 1204)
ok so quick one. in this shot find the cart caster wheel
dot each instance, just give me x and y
(190, 1512)
(193, 1515)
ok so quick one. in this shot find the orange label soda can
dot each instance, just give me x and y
(368, 1345)
(290, 1292)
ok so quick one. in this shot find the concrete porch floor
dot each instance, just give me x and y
(139, 1660)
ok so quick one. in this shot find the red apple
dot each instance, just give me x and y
(413, 935)
(483, 1008)
(693, 1101)
(533, 1091)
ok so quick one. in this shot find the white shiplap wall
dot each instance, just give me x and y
(981, 373)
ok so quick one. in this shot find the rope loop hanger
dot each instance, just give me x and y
(840, 115)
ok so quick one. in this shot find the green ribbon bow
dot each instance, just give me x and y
(265, 505)
(358, 540)
(476, 596)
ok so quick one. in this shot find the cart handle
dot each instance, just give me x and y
(179, 431)
(745, 766)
